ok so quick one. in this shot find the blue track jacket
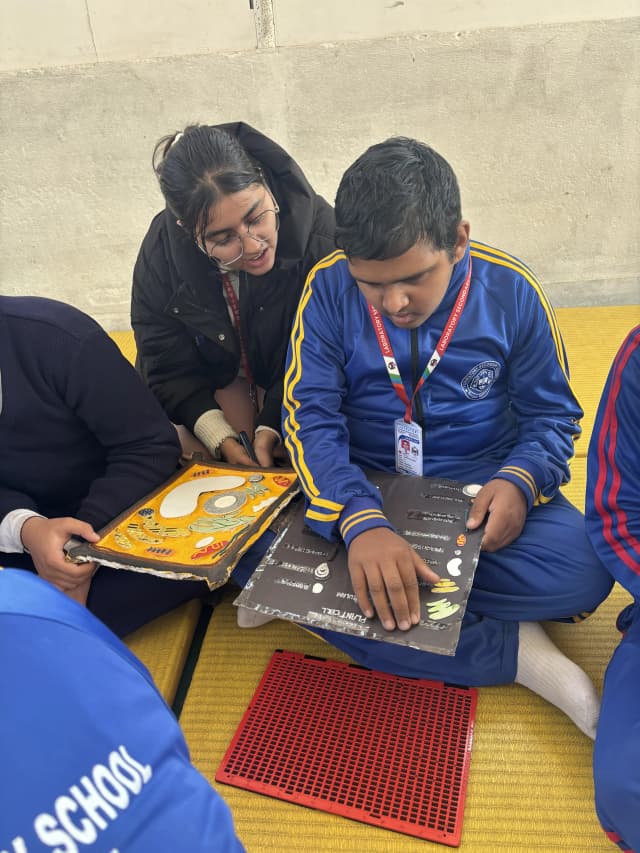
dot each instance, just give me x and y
(499, 403)
(613, 470)
(613, 525)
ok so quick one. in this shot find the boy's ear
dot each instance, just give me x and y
(462, 240)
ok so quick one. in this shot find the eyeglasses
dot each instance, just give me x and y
(231, 248)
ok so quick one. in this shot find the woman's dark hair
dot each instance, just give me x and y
(398, 193)
(199, 166)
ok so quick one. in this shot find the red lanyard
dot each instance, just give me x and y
(232, 299)
(441, 347)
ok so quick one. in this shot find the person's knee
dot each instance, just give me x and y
(597, 587)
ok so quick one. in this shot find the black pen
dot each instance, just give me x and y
(244, 441)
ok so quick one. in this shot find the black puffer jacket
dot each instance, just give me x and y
(187, 345)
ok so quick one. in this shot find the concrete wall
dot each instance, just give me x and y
(43, 33)
(539, 118)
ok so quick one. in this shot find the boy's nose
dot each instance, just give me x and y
(394, 300)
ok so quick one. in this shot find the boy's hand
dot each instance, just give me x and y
(44, 538)
(384, 570)
(81, 592)
(506, 506)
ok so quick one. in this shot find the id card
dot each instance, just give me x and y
(408, 447)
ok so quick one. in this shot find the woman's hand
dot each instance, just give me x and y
(45, 538)
(264, 445)
(234, 453)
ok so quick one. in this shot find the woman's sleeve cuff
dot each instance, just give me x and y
(212, 428)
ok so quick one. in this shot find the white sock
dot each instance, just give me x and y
(544, 669)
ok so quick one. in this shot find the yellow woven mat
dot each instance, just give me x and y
(126, 343)
(530, 785)
(163, 644)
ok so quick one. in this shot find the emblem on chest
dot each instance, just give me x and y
(479, 380)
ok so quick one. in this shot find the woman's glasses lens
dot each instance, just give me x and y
(231, 249)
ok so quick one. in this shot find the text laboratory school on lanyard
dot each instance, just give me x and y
(408, 434)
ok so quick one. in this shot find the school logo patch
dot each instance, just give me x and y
(478, 381)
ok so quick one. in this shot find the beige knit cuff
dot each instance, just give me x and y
(264, 427)
(212, 429)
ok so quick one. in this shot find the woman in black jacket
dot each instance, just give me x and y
(217, 282)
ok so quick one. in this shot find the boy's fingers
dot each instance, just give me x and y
(476, 516)
(395, 594)
(361, 592)
(378, 592)
(423, 571)
(411, 590)
(82, 528)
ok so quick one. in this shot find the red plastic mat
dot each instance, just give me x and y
(388, 751)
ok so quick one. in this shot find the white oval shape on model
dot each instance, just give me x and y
(453, 566)
(184, 498)
(224, 501)
(471, 490)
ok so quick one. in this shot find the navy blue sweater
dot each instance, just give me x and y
(80, 435)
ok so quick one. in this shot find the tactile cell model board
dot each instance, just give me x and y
(195, 526)
(306, 579)
(388, 751)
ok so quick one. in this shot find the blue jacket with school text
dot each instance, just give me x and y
(499, 403)
(91, 756)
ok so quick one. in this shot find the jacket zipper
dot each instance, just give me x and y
(415, 369)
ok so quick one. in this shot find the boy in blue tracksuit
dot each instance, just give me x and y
(613, 525)
(92, 757)
(413, 336)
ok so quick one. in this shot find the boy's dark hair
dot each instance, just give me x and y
(398, 193)
(199, 166)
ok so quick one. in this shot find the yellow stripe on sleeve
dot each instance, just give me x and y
(322, 502)
(524, 475)
(292, 377)
(357, 515)
(366, 516)
(318, 516)
(495, 256)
